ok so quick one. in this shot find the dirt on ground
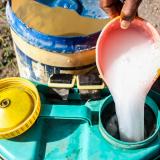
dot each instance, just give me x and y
(8, 64)
(149, 10)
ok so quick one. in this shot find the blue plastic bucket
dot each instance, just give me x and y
(40, 55)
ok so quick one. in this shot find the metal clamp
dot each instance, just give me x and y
(90, 82)
(62, 81)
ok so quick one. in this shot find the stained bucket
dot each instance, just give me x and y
(54, 36)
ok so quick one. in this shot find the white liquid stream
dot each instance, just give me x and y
(129, 74)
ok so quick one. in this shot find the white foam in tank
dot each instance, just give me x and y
(129, 74)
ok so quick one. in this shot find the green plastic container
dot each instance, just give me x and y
(71, 131)
(129, 145)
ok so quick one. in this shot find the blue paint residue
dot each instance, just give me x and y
(92, 9)
(68, 4)
(87, 8)
(39, 72)
(33, 70)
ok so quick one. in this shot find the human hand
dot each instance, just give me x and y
(126, 10)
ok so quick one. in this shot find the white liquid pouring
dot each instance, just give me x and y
(129, 74)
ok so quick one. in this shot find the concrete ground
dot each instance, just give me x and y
(150, 10)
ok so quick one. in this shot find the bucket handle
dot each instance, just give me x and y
(66, 112)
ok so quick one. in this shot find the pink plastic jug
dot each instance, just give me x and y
(102, 53)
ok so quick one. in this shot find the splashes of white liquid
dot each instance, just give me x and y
(129, 74)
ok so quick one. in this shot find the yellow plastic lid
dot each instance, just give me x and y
(19, 106)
